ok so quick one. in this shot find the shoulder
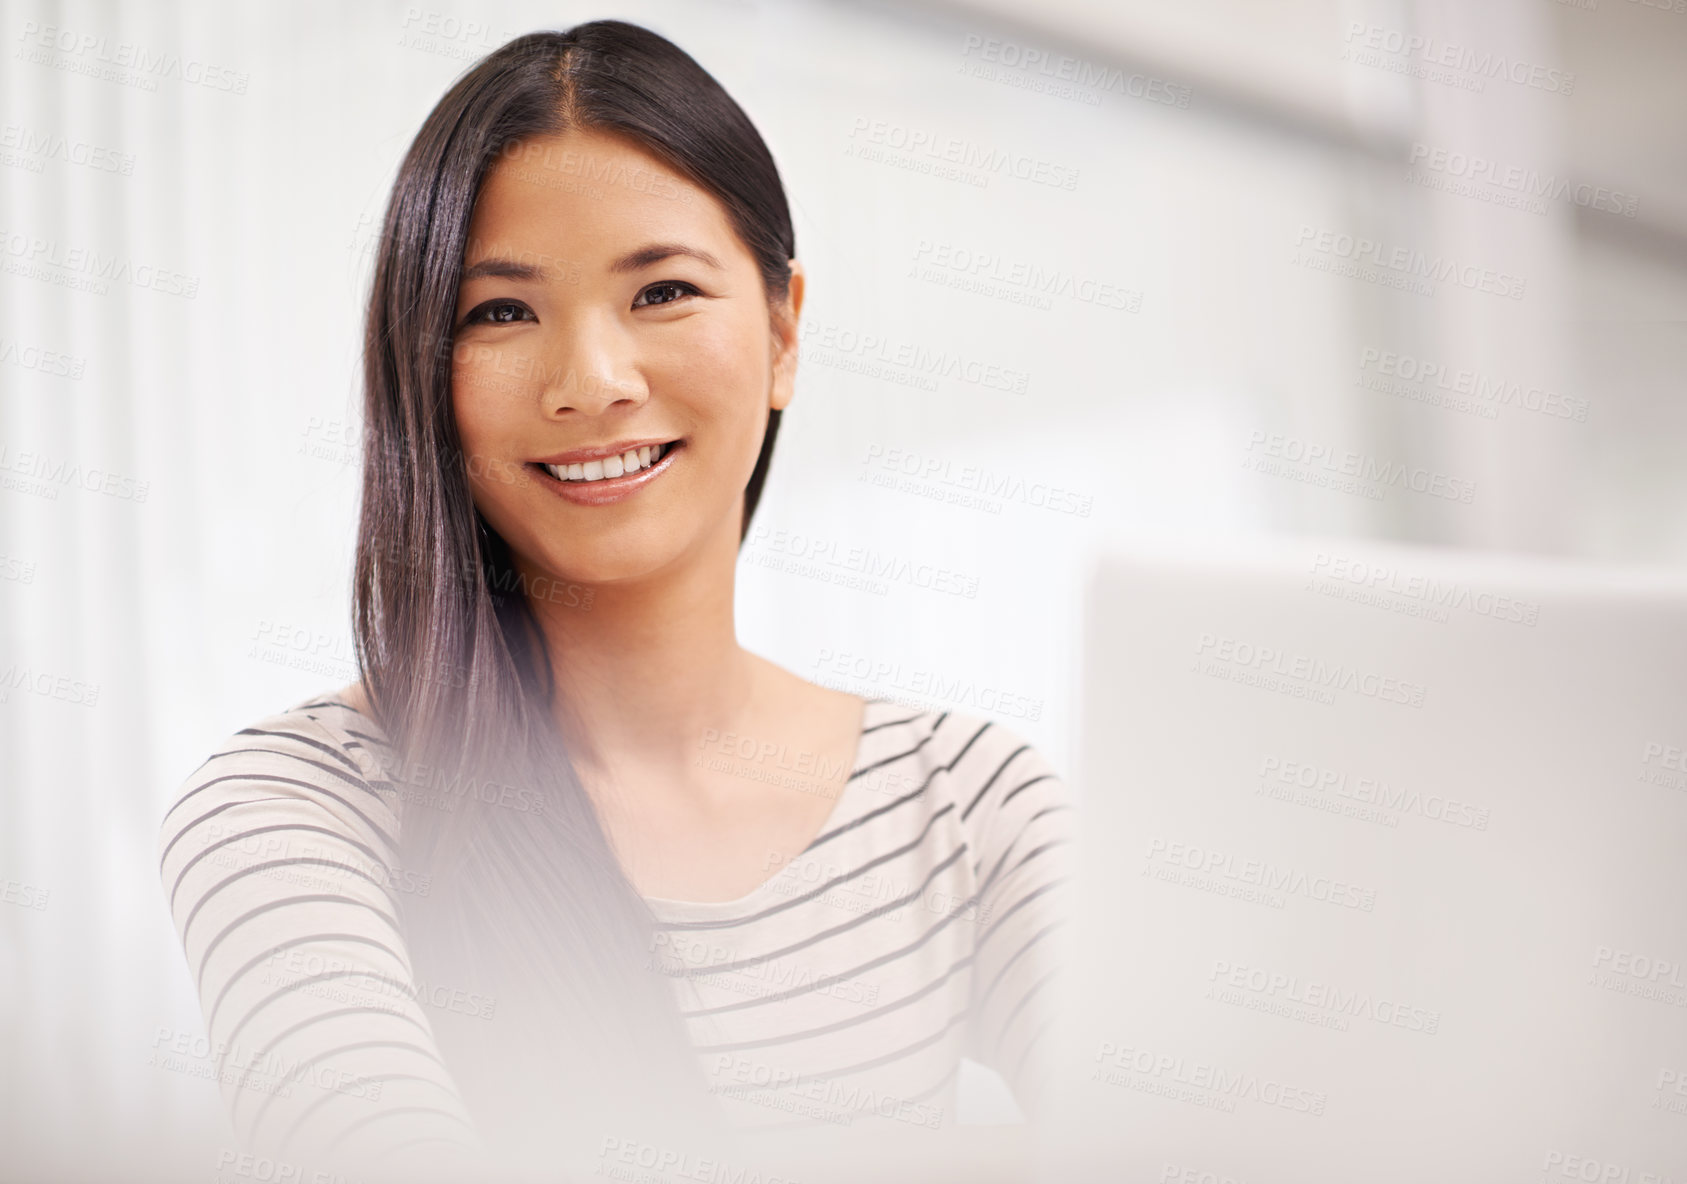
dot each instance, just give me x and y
(314, 767)
(982, 767)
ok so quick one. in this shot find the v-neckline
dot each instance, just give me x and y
(670, 909)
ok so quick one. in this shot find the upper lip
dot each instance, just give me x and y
(582, 455)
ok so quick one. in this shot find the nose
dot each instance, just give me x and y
(592, 365)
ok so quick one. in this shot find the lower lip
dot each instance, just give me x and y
(608, 490)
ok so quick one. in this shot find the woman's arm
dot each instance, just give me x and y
(277, 861)
(1023, 820)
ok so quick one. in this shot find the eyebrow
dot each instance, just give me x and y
(656, 252)
(632, 261)
(505, 268)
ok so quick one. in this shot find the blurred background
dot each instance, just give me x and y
(1083, 274)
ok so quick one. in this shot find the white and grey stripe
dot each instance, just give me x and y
(908, 934)
(914, 930)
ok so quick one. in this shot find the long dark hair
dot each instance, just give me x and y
(527, 898)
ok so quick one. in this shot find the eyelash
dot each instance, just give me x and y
(480, 316)
(685, 289)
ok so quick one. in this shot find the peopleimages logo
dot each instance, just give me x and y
(1311, 993)
(1261, 874)
(35, 257)
(923, 467)
(48, 685)
(843, 348)
(1668, 971)
(24, 896)
(923, 686)
(1225, 1084)
(777, 1085)
(1477, 65)
(1277, 775)
(1385, 578)
(1359, 467)
(938, 147)
(1525, 182)
(42, 361)
(1313, 671)
(993, 58)
(93, 49)
(633, 1159)
(1379, 368)
(992, 274)
(811, 554)
(46, 472)
(52, 146)
(1407, 262)
(1598, 1171)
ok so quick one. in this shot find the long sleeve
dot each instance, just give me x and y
(278, 864)
(1023, 820)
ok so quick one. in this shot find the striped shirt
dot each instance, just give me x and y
(916, 929)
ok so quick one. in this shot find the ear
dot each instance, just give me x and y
(785, 318)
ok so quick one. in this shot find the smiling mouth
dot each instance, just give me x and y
(609, 468)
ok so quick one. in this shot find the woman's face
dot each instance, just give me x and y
(607, 302)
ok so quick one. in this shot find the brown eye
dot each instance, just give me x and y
(498, 312)
(665, 292)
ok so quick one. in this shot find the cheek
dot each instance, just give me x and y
(482, 404)
(489, 387)
(493, 400)
(722, 371)
(493, 481)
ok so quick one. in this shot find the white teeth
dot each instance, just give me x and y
(630, 461)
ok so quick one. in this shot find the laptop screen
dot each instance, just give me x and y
(1382, 873)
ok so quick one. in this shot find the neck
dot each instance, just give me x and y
(652, 663)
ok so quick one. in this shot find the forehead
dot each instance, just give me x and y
(587, 195)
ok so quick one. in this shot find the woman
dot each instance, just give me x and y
(569, 871)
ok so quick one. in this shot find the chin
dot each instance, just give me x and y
(597, 565)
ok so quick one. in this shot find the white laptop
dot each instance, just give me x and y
(1385, 874)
